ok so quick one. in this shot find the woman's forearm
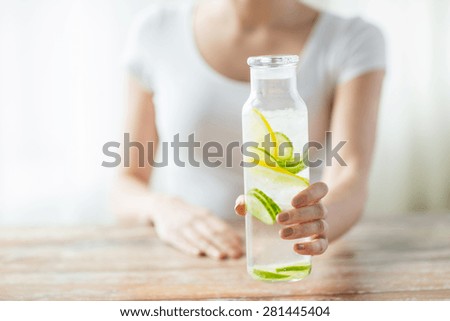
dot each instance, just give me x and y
(345, 204)
(354, 120)
(132, 201)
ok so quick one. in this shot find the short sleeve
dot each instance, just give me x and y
(364, 51)
(139, 54)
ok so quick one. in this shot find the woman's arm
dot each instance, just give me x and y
(189, 228)
(354, 120)
(326, 210)
(131, 199)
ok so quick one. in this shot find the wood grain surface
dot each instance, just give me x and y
(380, 259)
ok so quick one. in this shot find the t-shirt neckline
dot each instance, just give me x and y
(313, 34)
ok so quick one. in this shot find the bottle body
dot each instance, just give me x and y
(275, 134)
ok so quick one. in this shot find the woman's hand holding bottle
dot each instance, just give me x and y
(305, 219)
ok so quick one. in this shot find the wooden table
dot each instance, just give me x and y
(381, 259)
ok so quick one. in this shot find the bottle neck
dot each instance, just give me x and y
(273, 81)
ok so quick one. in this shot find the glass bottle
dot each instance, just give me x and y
(275, 135)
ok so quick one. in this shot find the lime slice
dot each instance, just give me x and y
(284, 148)
(294, 268)
(258, 154)
(266, 275)
(279, 175)
(260, 128)
(262, 206)
(292, 166)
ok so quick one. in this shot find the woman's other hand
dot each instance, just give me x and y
(195, 230)
(305, 220)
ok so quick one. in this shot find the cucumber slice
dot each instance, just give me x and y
(262, 206)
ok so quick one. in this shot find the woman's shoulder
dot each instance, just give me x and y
(158, 17)
(352, 46)
(152, 35)
(348, 29)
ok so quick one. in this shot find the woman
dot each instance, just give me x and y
(188, 74)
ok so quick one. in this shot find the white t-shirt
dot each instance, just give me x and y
(191, 97)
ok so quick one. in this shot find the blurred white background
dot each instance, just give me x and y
(62, 98)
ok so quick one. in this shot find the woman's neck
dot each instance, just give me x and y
(250, 14)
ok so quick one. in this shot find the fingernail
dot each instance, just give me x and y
(283, 217)
(299, 247)
(222, 256)
(240, 209)
(299, 201)
(235, 254)
(287, 231)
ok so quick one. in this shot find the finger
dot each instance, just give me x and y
(213, 251)
(315, 247)
(212, 231)
(308, 229)
(239, 207)
(185, 246)
(302, 214)
(231, 249)
(206, 228)
(203, 244)
(224, 241)
(218, 226)
(310, 195)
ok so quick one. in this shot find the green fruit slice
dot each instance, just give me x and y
(260, 129)
(295, 168)
(284, 148)
(258, 154)
(279, 176)
(294, 268)
(266, 275)
(262, 206)
(292, 166)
